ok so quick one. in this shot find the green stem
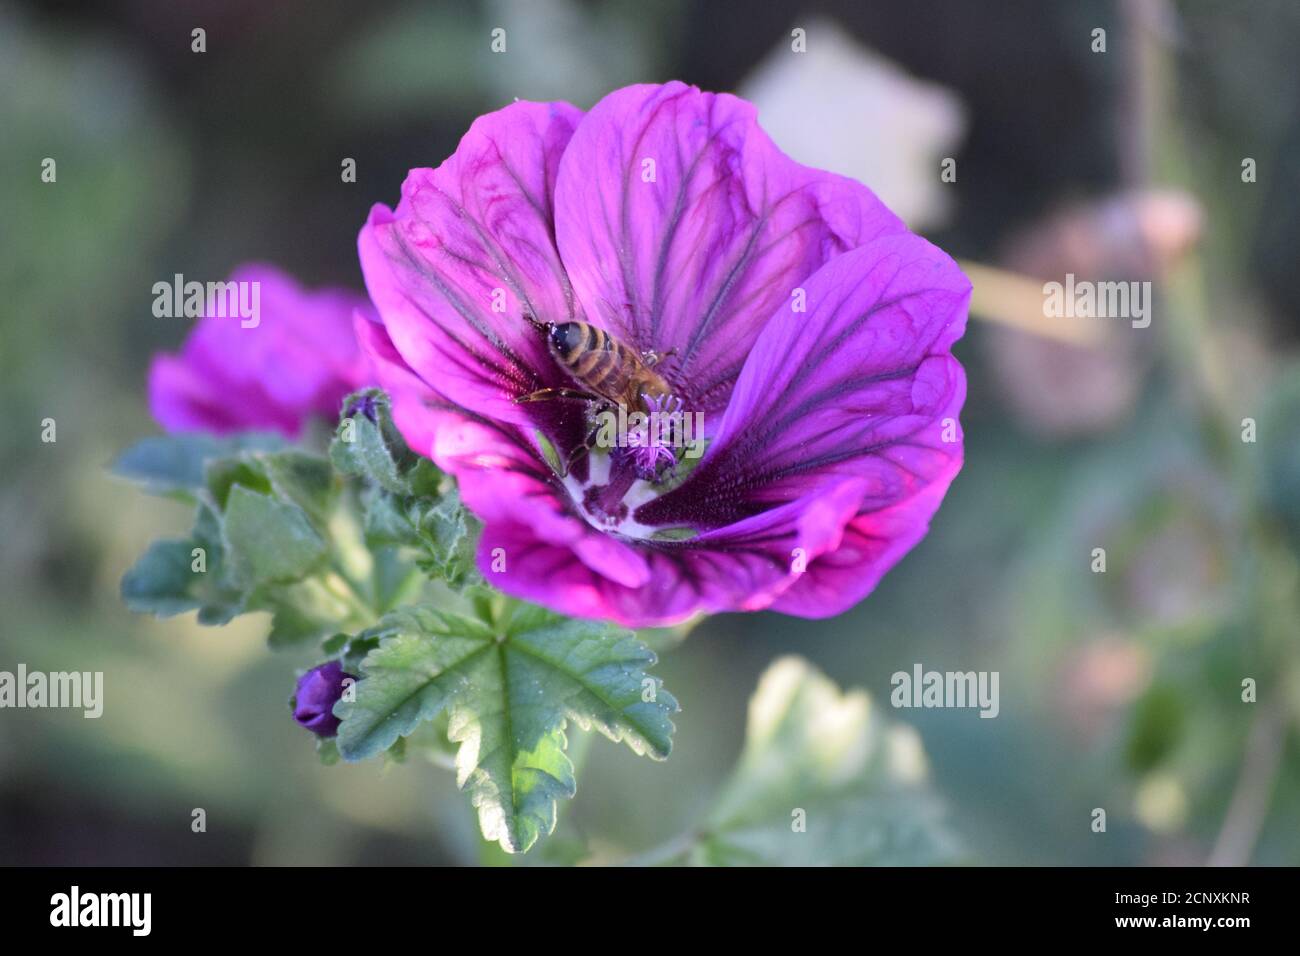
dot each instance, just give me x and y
(342, 587)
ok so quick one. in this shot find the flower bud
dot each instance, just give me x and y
(318, 690)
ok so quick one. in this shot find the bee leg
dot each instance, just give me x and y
(547, 394)
(581, 451)
(575, 456)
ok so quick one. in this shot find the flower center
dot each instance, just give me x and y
(634, 458)
(611, 494)
(651, 438)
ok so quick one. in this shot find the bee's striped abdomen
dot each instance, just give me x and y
(602, 364)
(587, 353)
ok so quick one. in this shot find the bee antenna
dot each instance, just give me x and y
(532, 320)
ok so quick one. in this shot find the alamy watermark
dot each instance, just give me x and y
(83, 690)
(957, 689)
(75, 908)
(666, 425)
(224, 300)
(1098, 300)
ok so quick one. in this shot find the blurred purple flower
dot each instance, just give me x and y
(299, 360)
(792, 309)
(318, 691)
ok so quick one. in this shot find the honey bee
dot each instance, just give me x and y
(607, 371)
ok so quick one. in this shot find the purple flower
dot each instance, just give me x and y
(786, 306)
(297, 360)
(318, 691)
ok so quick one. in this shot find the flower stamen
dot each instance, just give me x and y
(650, 443)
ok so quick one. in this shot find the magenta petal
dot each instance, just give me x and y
(862, 385)
(182, 398)
(741, 568)
(468, 251)
(299, 360)
(389, 369)
(409, 396)
(871, 544)
(683, 227)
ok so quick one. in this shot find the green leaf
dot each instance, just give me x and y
(387, 521)
(224, 474)
(510, 680)
(260, 552)
(175, 463)
(270, 540)
(408, 503)
(409, 676)
(440, 530)
(367, 445)
(223, 598)
(306, 480)
(445, 535)
(826, 760)
(165, 581)
(161, 582)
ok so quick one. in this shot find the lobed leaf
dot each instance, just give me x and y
(270, 540)
(165, 582)
(509, 678)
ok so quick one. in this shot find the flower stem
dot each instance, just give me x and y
(1016, 301)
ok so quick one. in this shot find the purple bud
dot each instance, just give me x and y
(365, 405)
(318, 690)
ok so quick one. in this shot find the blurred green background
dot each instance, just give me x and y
(1119, 690)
